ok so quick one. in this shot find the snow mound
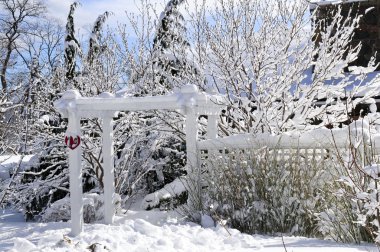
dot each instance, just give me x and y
(140, 235)
(171, 190)
(152, 231)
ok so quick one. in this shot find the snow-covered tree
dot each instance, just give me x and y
(72, 47)
(261, 55)
(94, 45)
(168, 65)
(47, 128)
(160, 70)
(16, 18)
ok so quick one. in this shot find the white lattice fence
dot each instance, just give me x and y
(316, 145)
(264, 181)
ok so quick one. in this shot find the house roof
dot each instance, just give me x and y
(358, 84)
(315, 3)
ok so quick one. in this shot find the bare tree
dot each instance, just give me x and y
(43, 42)
(16, 17)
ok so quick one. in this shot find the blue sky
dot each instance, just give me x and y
(89, 10)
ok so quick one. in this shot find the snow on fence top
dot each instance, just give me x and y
(356, 132)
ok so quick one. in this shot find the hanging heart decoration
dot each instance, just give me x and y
(72, 142)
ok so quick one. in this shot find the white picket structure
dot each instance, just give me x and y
(312, 145)
(73, 106)
(192, 104)
(321, 138)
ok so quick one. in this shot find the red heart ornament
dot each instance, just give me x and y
(72, 142)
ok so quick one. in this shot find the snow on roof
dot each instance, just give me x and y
(361, 84)
(315, 3)
(374, 88)
(9, 162)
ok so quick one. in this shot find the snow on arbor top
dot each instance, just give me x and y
(188, 97)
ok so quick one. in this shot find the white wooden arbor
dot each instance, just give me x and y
(73, 106)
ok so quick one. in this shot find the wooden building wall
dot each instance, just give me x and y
(368, 32)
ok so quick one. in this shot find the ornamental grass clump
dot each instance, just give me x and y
(277, 191)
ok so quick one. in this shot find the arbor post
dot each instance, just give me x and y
(212, 133)
(76, 188)
(108, 169)
(192, 167)
(212, 126)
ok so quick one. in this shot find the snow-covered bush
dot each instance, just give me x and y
(267, 190)
(354, 215)
(262, 55)
(148, 154)
(338, 216)
(153, 146)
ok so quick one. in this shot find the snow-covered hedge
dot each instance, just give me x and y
(273, 191)
(266, 191)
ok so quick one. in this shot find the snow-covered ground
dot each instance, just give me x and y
(148, 231)
(8, 163)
